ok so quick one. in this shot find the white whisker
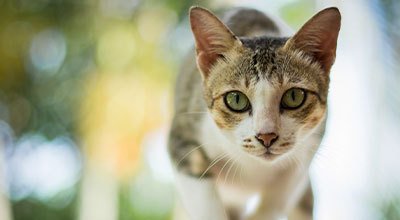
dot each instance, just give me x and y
(229, 170)
(215, 161)
(223, 168)
(234, 174)
(241, 176)
(188, 153)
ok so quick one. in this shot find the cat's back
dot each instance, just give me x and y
(248, 22)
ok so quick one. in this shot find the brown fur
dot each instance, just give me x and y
(241, 57)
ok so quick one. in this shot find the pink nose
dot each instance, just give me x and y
(267, 139)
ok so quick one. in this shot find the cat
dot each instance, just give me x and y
(250, 113)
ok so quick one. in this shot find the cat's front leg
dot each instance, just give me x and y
(196, 188)
(275, 203)
(267, 212)
(304, 209)
(200, 198)
(274, 199)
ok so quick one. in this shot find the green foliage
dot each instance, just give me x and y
(47, 101)
(29, 209)
(298, 12)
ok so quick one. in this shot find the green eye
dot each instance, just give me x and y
(236, 101)
(293, 98)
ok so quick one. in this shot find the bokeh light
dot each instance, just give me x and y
(116, 48)
(47, 51)
(86, 99)
(34, 159)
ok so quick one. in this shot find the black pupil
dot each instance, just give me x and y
(237, 98)
(293, 95)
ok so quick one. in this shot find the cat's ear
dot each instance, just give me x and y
(318, 37)
(213, 38)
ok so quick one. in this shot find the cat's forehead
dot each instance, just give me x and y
(268, 61)
(265, 60)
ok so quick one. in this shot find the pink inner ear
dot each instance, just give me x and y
(318, 37)
(206, 53)
(205, 61)
(321, 46)
(212, 38)
(327, 54)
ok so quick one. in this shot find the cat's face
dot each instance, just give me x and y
(266, 95)
(283, 97)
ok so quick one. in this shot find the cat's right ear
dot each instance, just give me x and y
(213, 38)
(318, 37)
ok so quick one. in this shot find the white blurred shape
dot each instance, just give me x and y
(5, 141)
(41, 169)
(48, 50)
(99, 195)
(156, 155)
(252, 204)
(342, 169)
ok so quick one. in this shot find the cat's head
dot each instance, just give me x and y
(266, 94)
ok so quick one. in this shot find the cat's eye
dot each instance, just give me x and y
(293, 98)
(237, 101)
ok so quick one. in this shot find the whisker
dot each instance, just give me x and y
(215, 161)
(287, 165)
(188, 153)
(229, 170)
(324, 149)
(318, 153)
(318, 133)
(299, 163)
(323, 153)
(234, 174)
(241, 174)
(282, 164)
(223, 168)
(328, 153)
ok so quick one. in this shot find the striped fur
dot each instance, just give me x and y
(251, 54)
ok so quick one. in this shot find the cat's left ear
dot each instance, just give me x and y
(213, 38)
(318, 37)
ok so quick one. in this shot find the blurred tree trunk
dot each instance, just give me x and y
(5, 208)
(99, 195)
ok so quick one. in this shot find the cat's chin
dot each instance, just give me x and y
(269, 156)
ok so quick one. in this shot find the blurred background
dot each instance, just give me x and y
(86, 89)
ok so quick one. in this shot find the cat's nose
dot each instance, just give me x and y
(267, 139)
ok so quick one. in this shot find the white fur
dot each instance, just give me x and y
(260, 177)
(278, 183)
(200, 198)
(245, 175)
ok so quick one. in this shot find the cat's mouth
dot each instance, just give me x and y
(269, 155)
(266, 154)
